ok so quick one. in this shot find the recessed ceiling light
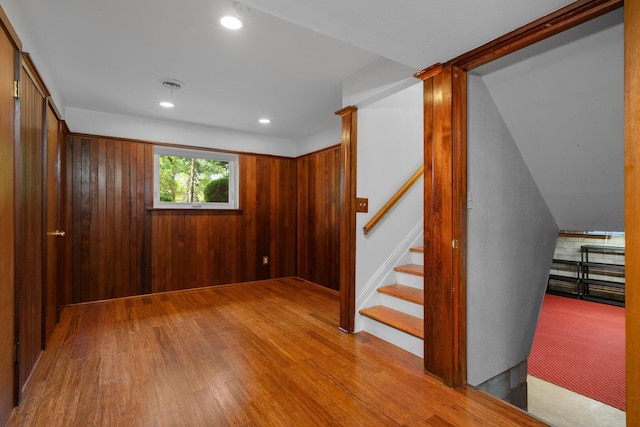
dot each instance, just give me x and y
(265, 121)
(166, 104)
(231, 22)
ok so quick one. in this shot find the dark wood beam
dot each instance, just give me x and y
(547, 26)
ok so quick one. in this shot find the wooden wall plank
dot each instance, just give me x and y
(125, 286)
(134, 217)
(318, 230)
(122, 244)
(100, 226)
(118, 260)
(109, 217)
(32, 228)
(94, 218)
(289, 227)
(148, 203)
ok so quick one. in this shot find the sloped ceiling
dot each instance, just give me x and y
(563, 102)
(417, 33)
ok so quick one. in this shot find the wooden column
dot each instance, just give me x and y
(632, 205)
(444, 223)
(459, 225)
(348, 217)
(9, 213)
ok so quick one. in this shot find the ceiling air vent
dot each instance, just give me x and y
(171, 84)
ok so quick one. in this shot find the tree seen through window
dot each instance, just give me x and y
(193, 180)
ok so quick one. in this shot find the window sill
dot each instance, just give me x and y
(209, 210)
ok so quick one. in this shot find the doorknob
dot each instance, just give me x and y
(56, 233)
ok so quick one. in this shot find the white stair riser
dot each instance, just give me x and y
(394, 336)
(417, 258)
(410, 280)
(402, 305)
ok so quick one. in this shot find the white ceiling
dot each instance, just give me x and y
(287, 63)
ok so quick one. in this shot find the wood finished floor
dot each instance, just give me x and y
(259, 354)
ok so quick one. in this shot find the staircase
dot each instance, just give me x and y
(399, 317)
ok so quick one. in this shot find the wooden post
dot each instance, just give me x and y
(348, 217)
(632, 205)
(445, 167)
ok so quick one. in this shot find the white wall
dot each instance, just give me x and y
(316, 141)
(511, 239)
(377, 81)
(115, 125)
(390, 150)
(563, 101)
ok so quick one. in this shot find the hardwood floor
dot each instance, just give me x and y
(265, 353)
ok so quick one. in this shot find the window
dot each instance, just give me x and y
(193, 179)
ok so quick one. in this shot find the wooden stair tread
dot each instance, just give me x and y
(415, 269)
(417, 249)
(406, 293)
(401, 321)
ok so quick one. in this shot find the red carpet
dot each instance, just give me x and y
(579, 345)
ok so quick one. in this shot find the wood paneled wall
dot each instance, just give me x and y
(32, 103)
(107, 209)
(202, 248)
(120, 247)
(318, 217)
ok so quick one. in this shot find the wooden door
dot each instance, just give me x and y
(8, 54)
(32, 232)
(52, 221)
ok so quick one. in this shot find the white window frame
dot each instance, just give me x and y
(198, 154)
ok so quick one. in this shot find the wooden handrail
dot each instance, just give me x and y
(393, 200)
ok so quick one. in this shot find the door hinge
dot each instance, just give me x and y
(16, 89)
(17, 352)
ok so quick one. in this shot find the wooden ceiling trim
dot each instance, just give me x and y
(567, 17)
(429, 72)
(6, 25)
(30, 68)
